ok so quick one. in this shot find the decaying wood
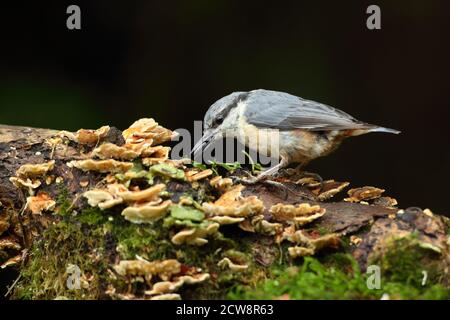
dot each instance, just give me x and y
(19, 227)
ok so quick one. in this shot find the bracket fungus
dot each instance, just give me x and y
(163, 269)
(221, 184)
(40, 203)
(296, 252)
(103, 199)
(300, 215)
(195, 236)
(227, 263)
(9, 243)
(149, 195)
(155, 155)
(27, 175)
(263, 226)
(223, 220)
(35, 170)
(147, 130)
(86, 136)
(112, 151)
(330, 188)
(103, 166)
(148, 203)
(12, 261)
(309, 246)
(173, 274)
(25, 183)
(232, 204)
(163, 208)
(363, 194)
(146, 212)
(165, 287)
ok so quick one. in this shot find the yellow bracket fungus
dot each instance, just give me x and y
(364, 193)
(35, 170)
(165, 287)
(233, 204)
(146, 212)
(163, 269)
(227, 263)
(300, 215)
(40, 203)
(86, 136)
(221, 184)
(195, 236)
(101, 165)
(112, 151)
(149, 194)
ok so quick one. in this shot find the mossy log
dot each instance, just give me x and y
(48, 228)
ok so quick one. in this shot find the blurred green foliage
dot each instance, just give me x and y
(42, 105)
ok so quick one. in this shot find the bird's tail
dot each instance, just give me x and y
(366, 128)
(382, 129)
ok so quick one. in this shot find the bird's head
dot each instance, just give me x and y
(220, 119)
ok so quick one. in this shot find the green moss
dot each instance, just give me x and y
(63, 201)
(406, 259)
(338, 276)
(310, 281)
(92, 216)
(94, 240)
(146, 240)
(45, 277)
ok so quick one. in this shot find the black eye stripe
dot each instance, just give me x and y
(225, 110)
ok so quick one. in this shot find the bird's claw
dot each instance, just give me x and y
(253, 180)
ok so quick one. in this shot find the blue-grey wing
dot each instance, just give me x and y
(272, 109)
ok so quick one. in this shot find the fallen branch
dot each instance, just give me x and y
(101, 214)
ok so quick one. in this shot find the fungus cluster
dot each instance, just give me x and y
(307, 245)
(86, 136)
(142, 140)
(298, 215)
(144, 205)
(363, 194)
(174, 203)
(162, 278)
(235, 261)
(40, 203)
(221, 184)
(28, 175)
(232, 204)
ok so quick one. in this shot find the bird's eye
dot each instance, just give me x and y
(218, 120)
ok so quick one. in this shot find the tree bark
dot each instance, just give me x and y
(367, 226)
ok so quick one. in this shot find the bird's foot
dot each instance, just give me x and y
(251, 180)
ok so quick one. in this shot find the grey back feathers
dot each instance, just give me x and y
(283, 111)
(286, 112)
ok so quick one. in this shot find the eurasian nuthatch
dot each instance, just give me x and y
(305, 129)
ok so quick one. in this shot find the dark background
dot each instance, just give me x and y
(171, 60)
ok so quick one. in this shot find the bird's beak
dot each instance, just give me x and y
(208, 136)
